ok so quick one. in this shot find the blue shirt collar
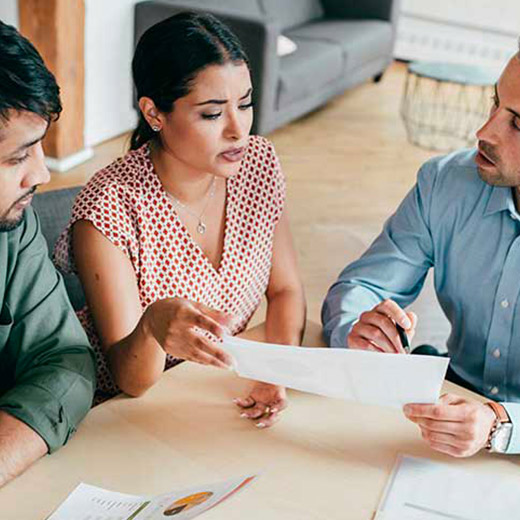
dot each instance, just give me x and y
(501, 199)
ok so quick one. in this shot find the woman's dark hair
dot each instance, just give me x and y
(171, 53)
(25, 81)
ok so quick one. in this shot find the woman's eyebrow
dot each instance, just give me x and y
(247, 93)
(222, 101)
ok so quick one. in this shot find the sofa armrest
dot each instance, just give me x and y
(366, 9)
(257, 34)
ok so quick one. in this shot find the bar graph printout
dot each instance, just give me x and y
(420, 489)
(88, 502)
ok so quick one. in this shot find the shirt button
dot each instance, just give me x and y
(494, 390)
(504, 304)
(496, 353)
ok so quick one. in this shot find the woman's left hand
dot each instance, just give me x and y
(263, 404)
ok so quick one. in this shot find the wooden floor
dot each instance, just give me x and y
(348, 165)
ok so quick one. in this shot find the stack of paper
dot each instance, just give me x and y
(368, 377)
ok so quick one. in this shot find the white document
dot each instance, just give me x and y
(420, 489)
(368, 377)
(93, 503)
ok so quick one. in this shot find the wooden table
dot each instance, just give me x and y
(326, 459)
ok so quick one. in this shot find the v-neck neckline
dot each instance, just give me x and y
(218, 270)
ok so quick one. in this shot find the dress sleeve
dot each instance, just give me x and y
(105, 203)
(275, 179)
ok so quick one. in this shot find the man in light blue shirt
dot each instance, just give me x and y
(461, 218)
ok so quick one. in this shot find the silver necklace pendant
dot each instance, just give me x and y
(201, 227)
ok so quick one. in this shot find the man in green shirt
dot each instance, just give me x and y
(47, 370)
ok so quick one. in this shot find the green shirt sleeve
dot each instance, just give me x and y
(47, 365)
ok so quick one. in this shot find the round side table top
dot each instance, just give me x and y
(455, 72)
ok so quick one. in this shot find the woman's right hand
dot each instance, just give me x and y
(173, 322)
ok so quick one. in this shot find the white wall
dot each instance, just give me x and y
(109, 36)
(483, 32)
(9, 12)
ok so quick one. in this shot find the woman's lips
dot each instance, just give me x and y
(233, 155)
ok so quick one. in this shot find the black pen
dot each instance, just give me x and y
(403, 337)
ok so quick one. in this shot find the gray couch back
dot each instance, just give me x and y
(291, 13)
(54, 208)
(245, 7)
(287, 13)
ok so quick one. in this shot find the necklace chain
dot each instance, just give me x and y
(201, 226)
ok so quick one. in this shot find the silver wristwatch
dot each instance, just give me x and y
(499, 441)
(502, 430)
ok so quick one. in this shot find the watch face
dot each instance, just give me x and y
(501, 437)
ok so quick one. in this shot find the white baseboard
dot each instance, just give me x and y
(66, 163)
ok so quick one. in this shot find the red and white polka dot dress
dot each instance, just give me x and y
(127, 203)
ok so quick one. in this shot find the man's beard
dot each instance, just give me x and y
(9, 224)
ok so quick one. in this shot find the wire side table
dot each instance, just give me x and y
(444, 104)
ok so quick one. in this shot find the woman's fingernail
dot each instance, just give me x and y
(274, 410)
(244, 415)
(235, 400)
(260, 425)
(406, 323)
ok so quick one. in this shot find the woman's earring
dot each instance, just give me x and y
(155, 128)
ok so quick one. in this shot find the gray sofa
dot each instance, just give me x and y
(341, 43)
(54, 209)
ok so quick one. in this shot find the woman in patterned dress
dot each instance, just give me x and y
(177, 242)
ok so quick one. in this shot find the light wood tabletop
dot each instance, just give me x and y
(325, 459)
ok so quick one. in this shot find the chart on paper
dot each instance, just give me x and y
(419, 489)
(88, 502)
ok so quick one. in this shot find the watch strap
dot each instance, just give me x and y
(500, 412)
(501, 420)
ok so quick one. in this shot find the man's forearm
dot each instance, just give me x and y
(342, 307)
(20, 446)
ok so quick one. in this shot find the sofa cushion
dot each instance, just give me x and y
(306, 71)
(292, 13)
(361, 41)
(54, 208)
